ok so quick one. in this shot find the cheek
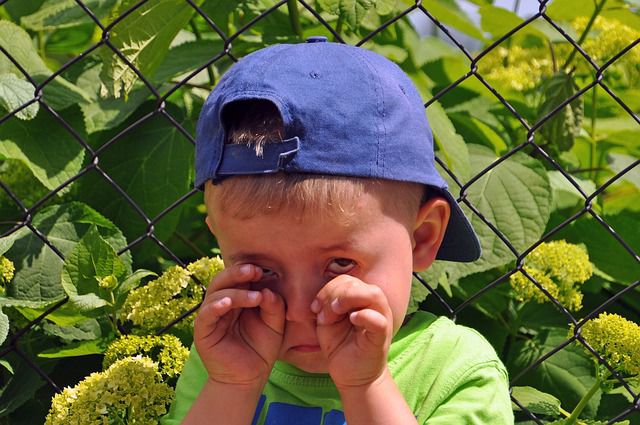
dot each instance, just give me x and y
(398, 292)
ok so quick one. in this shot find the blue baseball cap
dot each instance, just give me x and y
(346, 111)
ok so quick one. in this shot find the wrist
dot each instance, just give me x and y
(244, 388)
(236, 402)
(375, 403)
(384, 379)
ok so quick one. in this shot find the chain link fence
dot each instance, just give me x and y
(221, 53)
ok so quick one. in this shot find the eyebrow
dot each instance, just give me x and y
(251, 257)
(247, 257)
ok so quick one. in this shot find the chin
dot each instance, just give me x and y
(307, 363)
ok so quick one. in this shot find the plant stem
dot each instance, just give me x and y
(584, 34)
(592, 150)
(196, 32)
(114, 319)
(294, 17)
(339, 26)
(583, 402)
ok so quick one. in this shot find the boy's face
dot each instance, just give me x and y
(300, 254)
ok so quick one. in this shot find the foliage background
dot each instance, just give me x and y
(537, 131)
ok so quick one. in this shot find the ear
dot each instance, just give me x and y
(209, 222)
(428, 231)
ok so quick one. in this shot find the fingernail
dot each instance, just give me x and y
(315, 306)
(334, 305)
(253, 295)
(320, 318)
(245, 269)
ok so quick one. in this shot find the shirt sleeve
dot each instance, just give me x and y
(190, 383)
(480, 397)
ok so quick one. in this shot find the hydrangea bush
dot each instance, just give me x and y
(86, 268)
(130, 391)
(153, 306)
(558, 267)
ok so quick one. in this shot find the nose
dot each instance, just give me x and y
(301, 293)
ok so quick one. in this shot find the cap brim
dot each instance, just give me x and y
(460, 241)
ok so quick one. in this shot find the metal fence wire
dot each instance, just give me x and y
(437, 300)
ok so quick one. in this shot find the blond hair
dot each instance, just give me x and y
(256, 123)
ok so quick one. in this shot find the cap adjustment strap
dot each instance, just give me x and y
(241, 159)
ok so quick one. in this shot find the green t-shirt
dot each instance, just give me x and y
(448, 374)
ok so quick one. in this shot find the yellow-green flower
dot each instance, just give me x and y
(130, 391)
(205, 269)
(166, 298)
(607, 38)
(519, 68)
(108, 282)
(616, 339)
(7, 269)
(516, 67)
(559, 267)
(166, 350)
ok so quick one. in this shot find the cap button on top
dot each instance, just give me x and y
(317, 39)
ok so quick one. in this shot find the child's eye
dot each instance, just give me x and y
(268, 273)
(341, 266)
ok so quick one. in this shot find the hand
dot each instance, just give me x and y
(238, 331)
(354, 327)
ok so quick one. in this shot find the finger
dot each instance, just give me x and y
(240, 298)
(236, 275)
(272, 310)
(213, 318)
(375, 325)
(341, 296)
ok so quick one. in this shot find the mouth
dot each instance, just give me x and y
(303, 348)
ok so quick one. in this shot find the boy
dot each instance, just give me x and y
(317, 165)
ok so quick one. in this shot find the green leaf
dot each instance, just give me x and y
(91, 260)
(52, 163)
(4, 326)
(515, 196)
(451, 147)
(536, 401)
(14, 93)
(75, 310)
(561, 129)
(385, 7)
(428, 49)
(20, 47)
(82, 348)
(7, 242)
(59, 93)
(568, 374)
(396, 54)
(352, 11)
(498, 21)
(88, 329)
(187, 57)
(565, 195)
(38, 267)
(618, 162)
(56, 14)
(6, 365)
(153, 163)
(604, 250)
(477, 131)
(108, 112)
(22, 385)
(220, 12)
(133, 281)
(18, 9)
(449, 13)
(143, 37)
